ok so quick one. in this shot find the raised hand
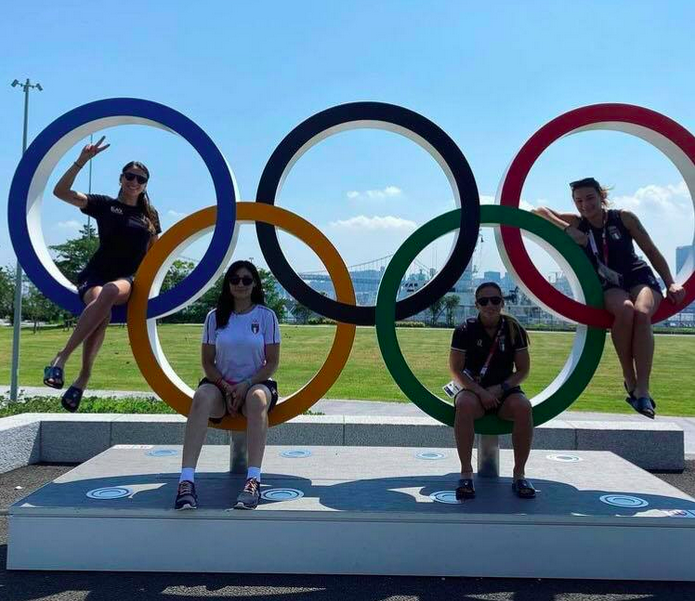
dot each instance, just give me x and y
(92, 150)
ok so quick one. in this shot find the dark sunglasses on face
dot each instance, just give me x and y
(246, 280)
(131, 176)
(483, 300)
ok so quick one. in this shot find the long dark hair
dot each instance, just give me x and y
(514, 326)
(225, 302)
(144, 199)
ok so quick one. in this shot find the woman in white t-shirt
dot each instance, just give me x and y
(240, 353)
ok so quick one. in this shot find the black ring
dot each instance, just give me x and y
(384, 116)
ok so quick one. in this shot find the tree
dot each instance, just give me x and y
(72, 256)
(435, 310)
(37, 307)
(272, 295)
(300, 312)
(7, 275)
(451, 302)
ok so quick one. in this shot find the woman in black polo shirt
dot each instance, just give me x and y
(128, 226)
(631, 291)
(489, 359)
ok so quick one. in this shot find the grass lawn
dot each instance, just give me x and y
(365, 376)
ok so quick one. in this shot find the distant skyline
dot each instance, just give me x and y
(490, 77)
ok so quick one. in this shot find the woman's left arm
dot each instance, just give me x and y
(674, 292)
(522, 367)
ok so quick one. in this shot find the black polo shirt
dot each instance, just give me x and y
(471, 338)
(123, 237)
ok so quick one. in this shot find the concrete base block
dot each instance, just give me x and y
(359, 510)
(20, 442)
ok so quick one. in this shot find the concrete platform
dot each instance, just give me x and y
(363, 511)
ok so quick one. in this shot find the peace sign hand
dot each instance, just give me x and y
(92, 150)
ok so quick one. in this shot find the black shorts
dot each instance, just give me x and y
(89, 281)
(505, 396)
(641, 276)
(272, 385)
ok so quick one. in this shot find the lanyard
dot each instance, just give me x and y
(493, 348)
(604, 238)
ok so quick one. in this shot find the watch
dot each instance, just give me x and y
(505, 387)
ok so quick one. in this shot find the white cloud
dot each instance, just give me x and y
(387, 192)
(671, 200)
(486, 199)
(176, 214)
(388, 222)
(69, 225)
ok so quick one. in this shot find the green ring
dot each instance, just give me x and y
(589, 341)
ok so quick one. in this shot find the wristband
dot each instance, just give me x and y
(505, 386)
(217, 382)
(76, 163)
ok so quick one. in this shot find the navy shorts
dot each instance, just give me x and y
(640, 276)
(94, 280)
(505, 396)
(272, 385)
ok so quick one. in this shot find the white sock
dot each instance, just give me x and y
(187, 473)
(254, 472)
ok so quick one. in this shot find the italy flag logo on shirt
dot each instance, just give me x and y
(255, 327)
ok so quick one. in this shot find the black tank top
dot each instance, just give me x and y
(621, 250)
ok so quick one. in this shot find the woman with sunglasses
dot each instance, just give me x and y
(489, 359)
(631, 292)
(128, 226)
(240, 353)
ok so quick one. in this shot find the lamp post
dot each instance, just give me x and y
(14, 373)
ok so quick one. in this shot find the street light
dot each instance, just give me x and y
(14, 373)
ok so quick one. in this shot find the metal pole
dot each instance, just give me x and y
(488, 455)
(14, 372)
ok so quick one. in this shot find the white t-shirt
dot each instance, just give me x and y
(240, 345)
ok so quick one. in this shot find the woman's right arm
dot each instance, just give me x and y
(63, 189)
(565, 221)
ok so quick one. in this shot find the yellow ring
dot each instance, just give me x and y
(140, 336)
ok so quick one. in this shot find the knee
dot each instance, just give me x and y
(642, 315)
(108, 295)
(257, 402)
(625, 313)
(521, 409)
(202, 401)
(466, 406)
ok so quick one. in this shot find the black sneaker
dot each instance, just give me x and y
(249, 497)
(186, 497)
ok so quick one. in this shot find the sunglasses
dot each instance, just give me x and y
(131, 176)
(235, 280)
(484, 300)
(587, 182)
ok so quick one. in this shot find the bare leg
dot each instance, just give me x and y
(255, 408)
(97, 310)
(618, 303)
(646, 303)
(517, 409)
(90, 349)
(207, 402)
(468, 409)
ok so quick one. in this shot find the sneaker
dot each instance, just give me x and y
(249, 497)
(186, 497)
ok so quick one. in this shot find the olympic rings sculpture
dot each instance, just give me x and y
(146, 304)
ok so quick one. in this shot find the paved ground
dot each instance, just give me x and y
(69, 586)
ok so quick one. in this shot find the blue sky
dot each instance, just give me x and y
(490, 77)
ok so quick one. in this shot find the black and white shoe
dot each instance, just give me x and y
(249, 497)
(185, 496)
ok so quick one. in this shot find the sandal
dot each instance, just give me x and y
(53, 376)
(465, 489)
(630, 393)
(523, 488)
(644, 405)
(71, 399)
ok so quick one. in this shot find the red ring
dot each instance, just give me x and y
(513, 182)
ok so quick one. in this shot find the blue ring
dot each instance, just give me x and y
(225, 192)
